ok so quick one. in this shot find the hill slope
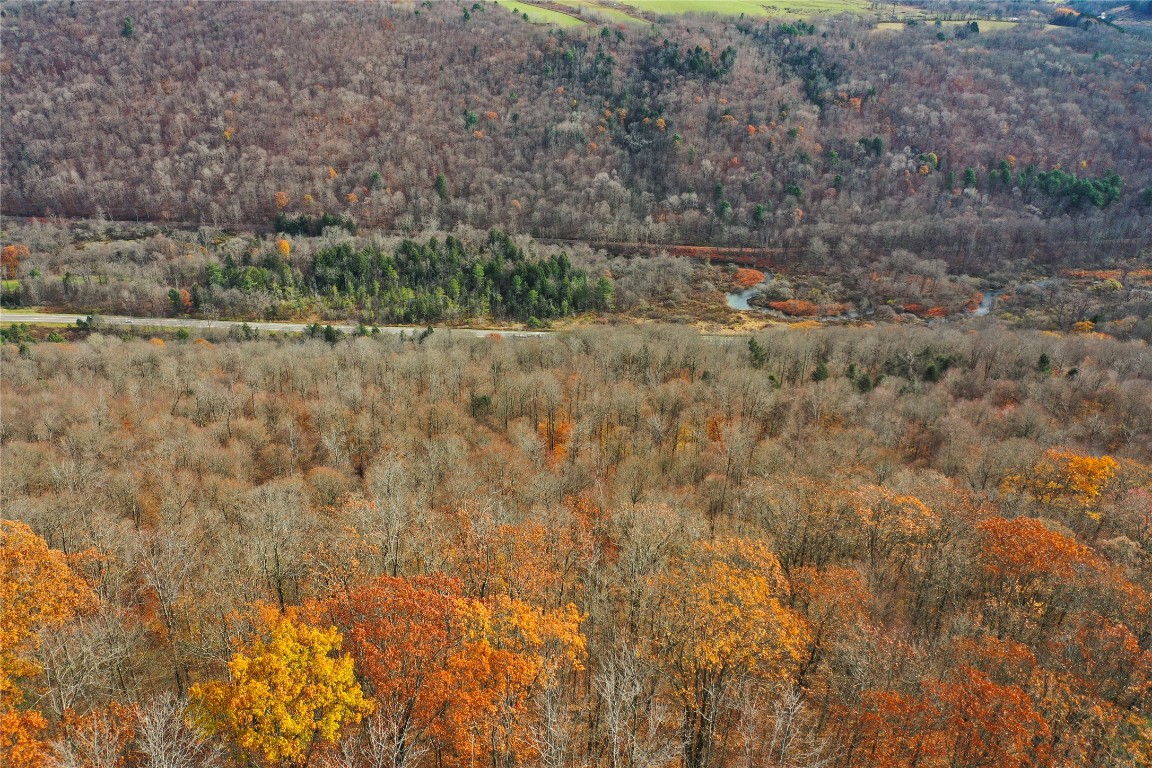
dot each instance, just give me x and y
(973, 147)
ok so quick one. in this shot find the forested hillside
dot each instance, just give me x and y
(903, 521)
(839, 547)
(830, 137)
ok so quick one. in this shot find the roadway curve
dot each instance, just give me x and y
(37, 318)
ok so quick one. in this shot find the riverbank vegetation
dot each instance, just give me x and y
(115, 268)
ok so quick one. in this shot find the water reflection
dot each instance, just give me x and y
(739, 301)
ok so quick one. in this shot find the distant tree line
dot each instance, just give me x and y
(312, 226)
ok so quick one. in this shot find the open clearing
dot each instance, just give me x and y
(618, 12)
(752, 7)
(811, 7)
(720, 7)
(985, 25)
(598, 12)
(538, 15)
(622, 11)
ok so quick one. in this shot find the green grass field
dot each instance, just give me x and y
(985, 26)
(811, 7)
(538, 15)
(601, 12)
(752, 7)
(748, 8)
(723, 7)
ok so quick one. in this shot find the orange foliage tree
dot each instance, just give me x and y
(1034, 575)
(891, 522)
(20, 742)
(969, 720)
(983, 723)
(804, 308)
(1025, 551)
(101, 738)
(408, 643)
(38, 589)
(555, 434)
(459, 671)
(10, 259)
(527, 561)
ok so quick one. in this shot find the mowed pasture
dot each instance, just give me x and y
(592, 11)
(986, 25)
(719, 7)
(624, 11)
(813, 7)
(752, 7)
(539, 15)
(631, 11)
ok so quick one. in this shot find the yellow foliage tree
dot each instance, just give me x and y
(284, 248)
(1064, 479)
(289, 690)
(720, 619)
(891, 522)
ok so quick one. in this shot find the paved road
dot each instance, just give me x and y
(37, 318)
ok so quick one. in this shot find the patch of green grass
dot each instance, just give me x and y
(985, 26)
(752, 7)
(598, 12)
(37, 323)
(722, 7)
(812, 7)
(538, 15)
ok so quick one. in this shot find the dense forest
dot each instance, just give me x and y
(831, 446)
(830, 138)
(643, 548)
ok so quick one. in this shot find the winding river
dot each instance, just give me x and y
(739, 301)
